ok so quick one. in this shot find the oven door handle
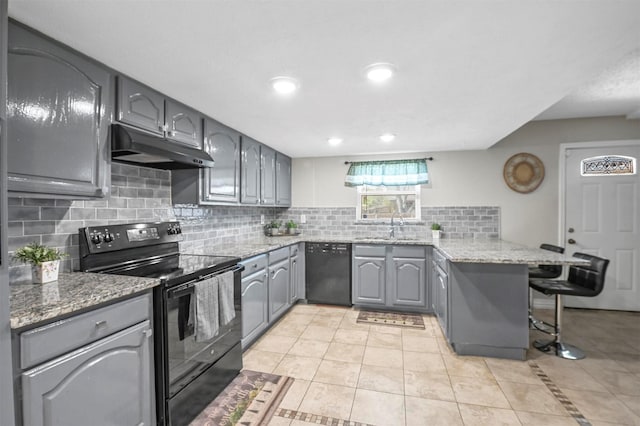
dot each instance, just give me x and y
(182, 289)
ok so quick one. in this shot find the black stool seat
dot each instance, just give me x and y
(547, 271)
(585, 281)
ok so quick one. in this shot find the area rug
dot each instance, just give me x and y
(251, 399)
(391, 318)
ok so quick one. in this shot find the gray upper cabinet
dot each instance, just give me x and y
(250, 182)
(183, 124)
(268, 176)
(283, 180)
(221, 183)
(140, 106)
(58, 113)
(143, 107)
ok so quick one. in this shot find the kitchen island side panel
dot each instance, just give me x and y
(488, 304)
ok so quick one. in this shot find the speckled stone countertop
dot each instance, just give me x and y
(34, 303)
(456, 250)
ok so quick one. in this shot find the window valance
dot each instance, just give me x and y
(387, 173)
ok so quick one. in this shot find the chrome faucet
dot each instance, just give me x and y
(392, 229)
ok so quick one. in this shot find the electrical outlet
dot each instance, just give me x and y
(261, 219)
(303, 218)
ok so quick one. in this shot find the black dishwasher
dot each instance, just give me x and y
(328, 273)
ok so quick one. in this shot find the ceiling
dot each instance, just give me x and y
(468, 72)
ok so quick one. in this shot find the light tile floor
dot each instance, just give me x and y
(386, 376)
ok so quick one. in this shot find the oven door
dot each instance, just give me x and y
(188, 357)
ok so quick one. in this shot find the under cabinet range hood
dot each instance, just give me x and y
(135, 147)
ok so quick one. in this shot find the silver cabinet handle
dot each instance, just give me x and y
(148, 333)
(571, 241)
(101, 323)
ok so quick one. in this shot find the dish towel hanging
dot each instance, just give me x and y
(207, 309)
(225, 291)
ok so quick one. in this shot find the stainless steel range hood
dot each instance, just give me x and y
(135, 147)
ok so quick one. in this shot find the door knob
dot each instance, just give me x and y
(570, 230)
(571, 241)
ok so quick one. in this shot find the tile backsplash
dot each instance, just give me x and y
(140, 194)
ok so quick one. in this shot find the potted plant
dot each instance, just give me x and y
(273, 228)
(435, 231)
(45, 261)
(292, 227)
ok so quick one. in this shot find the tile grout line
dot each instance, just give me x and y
(559, 395)
(316, 419)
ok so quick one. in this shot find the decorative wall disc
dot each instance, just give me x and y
(523, 172)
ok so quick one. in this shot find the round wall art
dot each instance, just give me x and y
(523, 172)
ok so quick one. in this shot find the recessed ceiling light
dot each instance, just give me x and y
(380, 72)
(285, 85)
(387, 137)
(334, 141)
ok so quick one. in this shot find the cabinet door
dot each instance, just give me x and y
(369, 280)
(295, 279)
(268, 176)
(408, 283)
(183, 124)
(140, 106)
(254, 306)
(250, 169)
(278, 289)
(58, 113)
(107, 383)
(283, 180)
(221, 183)
(443, 296)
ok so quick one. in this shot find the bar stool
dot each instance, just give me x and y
(543, 271)
(585, 281)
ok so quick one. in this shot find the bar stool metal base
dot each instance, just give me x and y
(562, 350)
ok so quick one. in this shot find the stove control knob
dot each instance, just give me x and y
(96, 238)
(178, 230)
(108, 238)
(171, 231)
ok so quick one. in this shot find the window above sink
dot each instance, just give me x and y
(376, 203)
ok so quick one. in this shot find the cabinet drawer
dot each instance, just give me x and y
(254, 264)
(439, 258)
(369, 250)
(63, 336)
(417, 252)
(278, 255)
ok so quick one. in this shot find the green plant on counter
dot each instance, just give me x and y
(435, 226)
(291, 224)
(274, 224)
(36, 254)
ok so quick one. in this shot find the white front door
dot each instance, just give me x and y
(602, 217)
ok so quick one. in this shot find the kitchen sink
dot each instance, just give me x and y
(386, 239)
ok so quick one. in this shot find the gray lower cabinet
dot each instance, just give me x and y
(93, 368)
(255, 306)
(279, 279)
(391, 276)
(58, 116)
(369, 279)
(441, 290)
(296, 261)
(143, 107)
(283, 180)
(219, 184)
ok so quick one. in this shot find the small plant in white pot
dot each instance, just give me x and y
(292, 227)
(45, 261)
(435, 231)
(273, 228)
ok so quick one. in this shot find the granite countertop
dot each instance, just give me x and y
(456, 250)
(34, 303)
